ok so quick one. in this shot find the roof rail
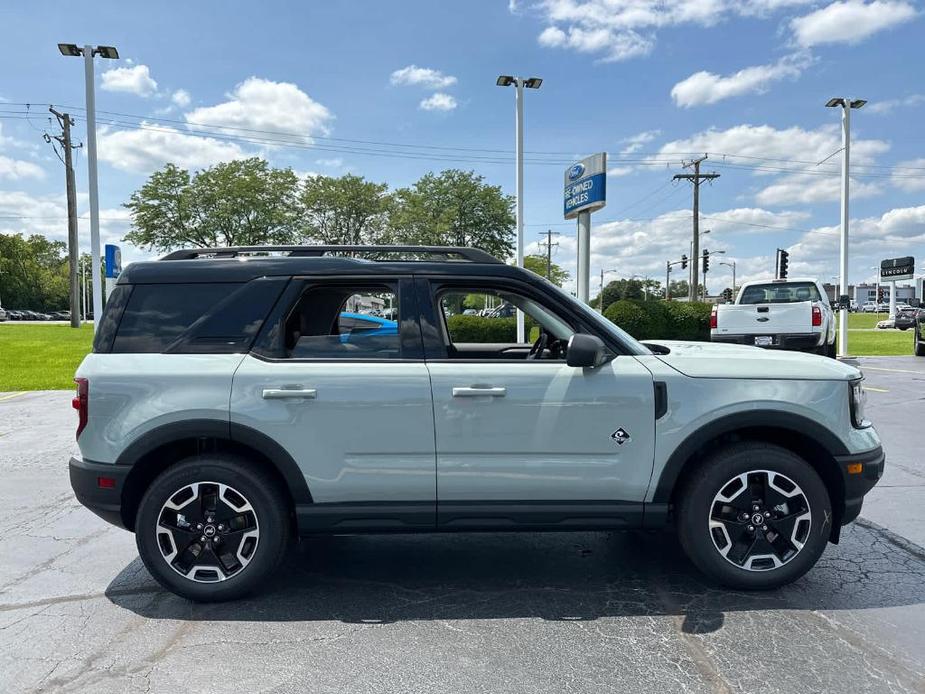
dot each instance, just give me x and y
(448, 253)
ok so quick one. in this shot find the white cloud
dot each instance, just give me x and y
(260, 104)
(636, 142)
(789, 154)
(151, 146)
(897, 232)
(622, 29)
(707, 87)
(909, 175)
(333, 163)
(438, 101)
(426, 77)
(618, 171)
(850, 21)
(131, 80)
(181, 98)
(889, 105)
(16, 169)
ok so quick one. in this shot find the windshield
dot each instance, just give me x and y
(633, 346)
(771, 293)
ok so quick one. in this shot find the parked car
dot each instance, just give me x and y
(3, 314)
(778, 314)
(905, 318)
(869, 307)
(13, 314)
(61, 315)
(355, 326)
(219, 412)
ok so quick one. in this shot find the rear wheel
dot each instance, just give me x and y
(212, 528)
(917, 346)
(755, 516)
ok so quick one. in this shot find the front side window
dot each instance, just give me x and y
(481, 323)
(344, 322)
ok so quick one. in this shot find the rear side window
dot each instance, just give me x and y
(157, 314)
(790, 293)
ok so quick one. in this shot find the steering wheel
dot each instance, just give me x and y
(536, 351)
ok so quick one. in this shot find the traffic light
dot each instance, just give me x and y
(706, 261)
(782, 263)
(879, 295)
(727, 295)
(683, 262)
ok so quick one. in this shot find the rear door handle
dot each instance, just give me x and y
(280, 393)
(477, 391)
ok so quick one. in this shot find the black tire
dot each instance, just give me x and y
(830, 351)
(695, 509)
(917, 346)
(267, 514)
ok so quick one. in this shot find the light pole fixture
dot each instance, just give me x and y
(72, 50)
(846, 105)
(519, 84)
(731, 264)
(600, 298)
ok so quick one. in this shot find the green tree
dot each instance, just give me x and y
(348, 209)
(537, 264)
(679, 289)
(620, 289)
(33, 273)
(454, 208)
(239, 203)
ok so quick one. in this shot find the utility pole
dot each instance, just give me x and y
(549, 244)
(65, 121)
(695, 178)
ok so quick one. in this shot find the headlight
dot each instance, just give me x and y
(858, 400)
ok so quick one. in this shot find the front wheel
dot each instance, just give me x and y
(212, 527)
(918, 347)
(755, 516)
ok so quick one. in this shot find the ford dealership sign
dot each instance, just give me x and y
(586, 185)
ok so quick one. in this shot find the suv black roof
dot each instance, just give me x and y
(240, 264)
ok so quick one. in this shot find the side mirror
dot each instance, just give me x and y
(585, 351)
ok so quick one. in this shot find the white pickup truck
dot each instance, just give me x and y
(779, 314)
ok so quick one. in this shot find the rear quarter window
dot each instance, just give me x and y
(157, 314)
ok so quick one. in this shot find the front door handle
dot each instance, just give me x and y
(477, 391)
(280, 393)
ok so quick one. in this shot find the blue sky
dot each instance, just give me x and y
(651, 83)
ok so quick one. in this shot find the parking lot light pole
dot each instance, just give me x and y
(731, 264)
(846, 105)
(519, 84)
(88, 52)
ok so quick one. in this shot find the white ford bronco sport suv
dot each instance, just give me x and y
(238, 397)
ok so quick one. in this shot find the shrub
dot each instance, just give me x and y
(662, 320)
(481, 329)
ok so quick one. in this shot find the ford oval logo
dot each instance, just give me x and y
(575, 172)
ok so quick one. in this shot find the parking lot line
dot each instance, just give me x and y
(899, 371)
(13, 395)
(877, 390)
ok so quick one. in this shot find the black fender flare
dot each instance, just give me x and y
(738, 421)
(224, 430)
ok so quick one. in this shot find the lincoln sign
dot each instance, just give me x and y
(897, 269)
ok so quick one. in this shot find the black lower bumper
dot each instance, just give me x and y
(860, 472)
(98, 486)
(791, 341)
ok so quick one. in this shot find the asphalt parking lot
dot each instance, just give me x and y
(585, 612)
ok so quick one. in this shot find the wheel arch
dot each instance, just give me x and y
(158, 449)
(813, 442)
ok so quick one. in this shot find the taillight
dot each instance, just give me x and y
(713, 318)
(80, 403)
(817, 316)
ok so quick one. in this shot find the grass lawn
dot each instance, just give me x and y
(865, 320)
(879, 343)
(41, 357)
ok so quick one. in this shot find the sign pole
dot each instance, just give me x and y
(892, 315)
(584, 256)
